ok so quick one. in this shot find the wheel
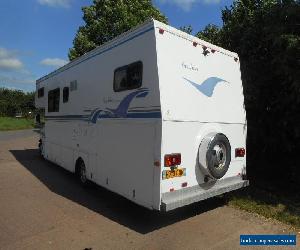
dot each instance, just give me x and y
(82, 174)
(214, 155)
(218, 156)
(41, 148)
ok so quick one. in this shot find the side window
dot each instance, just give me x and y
(128, 77)
(65, 94)
(53, 100)
(73, 85)
(41, 92)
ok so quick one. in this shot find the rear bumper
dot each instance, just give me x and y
(193, 194)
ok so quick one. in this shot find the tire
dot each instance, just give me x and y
(82, 177)
(214, 155)
(41, 148)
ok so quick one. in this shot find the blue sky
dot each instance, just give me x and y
(35, 35)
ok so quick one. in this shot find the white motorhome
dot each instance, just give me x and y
(155, 115)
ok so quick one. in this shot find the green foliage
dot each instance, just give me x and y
(106, 19)
(267, 204)
(10, 123)
(15, 101)
(187, 29)
(211, 34)
(266, 35)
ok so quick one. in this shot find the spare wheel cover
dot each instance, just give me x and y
(215, 155)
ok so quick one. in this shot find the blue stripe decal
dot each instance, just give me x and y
(122, 111)
(92, 56)
(129, 115)
(144, 115)
(67, 116)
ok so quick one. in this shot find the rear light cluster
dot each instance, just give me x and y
(172, 160)
(240, 152)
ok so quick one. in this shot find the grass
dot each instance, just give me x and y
(10, 123)
(267, 204)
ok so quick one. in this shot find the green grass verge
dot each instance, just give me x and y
(267, 204)
(9, 123)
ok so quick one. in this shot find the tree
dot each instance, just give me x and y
(15, 101)
(187, 29)
(106, 19)
(211, 34)
(266, 35)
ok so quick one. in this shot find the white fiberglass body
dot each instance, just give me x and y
(185, 104)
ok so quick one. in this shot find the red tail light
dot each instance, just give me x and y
(240, 152)
(172, 160)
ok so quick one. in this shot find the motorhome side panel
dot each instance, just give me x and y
(117, 134)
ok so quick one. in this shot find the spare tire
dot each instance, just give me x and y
(215, 155)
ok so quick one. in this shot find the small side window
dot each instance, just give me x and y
(73, 85)
(65, 94)
(41, 92)
(53, 100)
(128, 77)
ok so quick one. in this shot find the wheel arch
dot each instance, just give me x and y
(77, 164)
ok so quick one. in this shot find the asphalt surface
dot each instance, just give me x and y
(43, 207)
(10, 135)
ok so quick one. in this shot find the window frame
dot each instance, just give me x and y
(128, 67)
(65, 100)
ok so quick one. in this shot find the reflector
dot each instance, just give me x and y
(172, 160)
(240, 152)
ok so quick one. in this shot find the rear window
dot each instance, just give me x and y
(128, 77)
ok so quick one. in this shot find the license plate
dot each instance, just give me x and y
(168, 174)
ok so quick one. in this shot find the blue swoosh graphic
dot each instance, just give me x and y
(208, 86)
(122, 110)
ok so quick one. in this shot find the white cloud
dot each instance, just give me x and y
(10, 64)
(13, 73)
(9, 61)
(56, 62)
(186, 5)
(4, 53)
(55, 3)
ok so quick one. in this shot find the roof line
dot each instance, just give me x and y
(102, 48)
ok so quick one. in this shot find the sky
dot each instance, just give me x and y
(35, 35)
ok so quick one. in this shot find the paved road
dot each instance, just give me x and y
(43, 207)
(9, 135)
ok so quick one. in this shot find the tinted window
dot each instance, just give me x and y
(40, 92)
(66, 94)
(53, 100)
(128, 77)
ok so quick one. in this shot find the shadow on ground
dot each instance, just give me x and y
(104, 202)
